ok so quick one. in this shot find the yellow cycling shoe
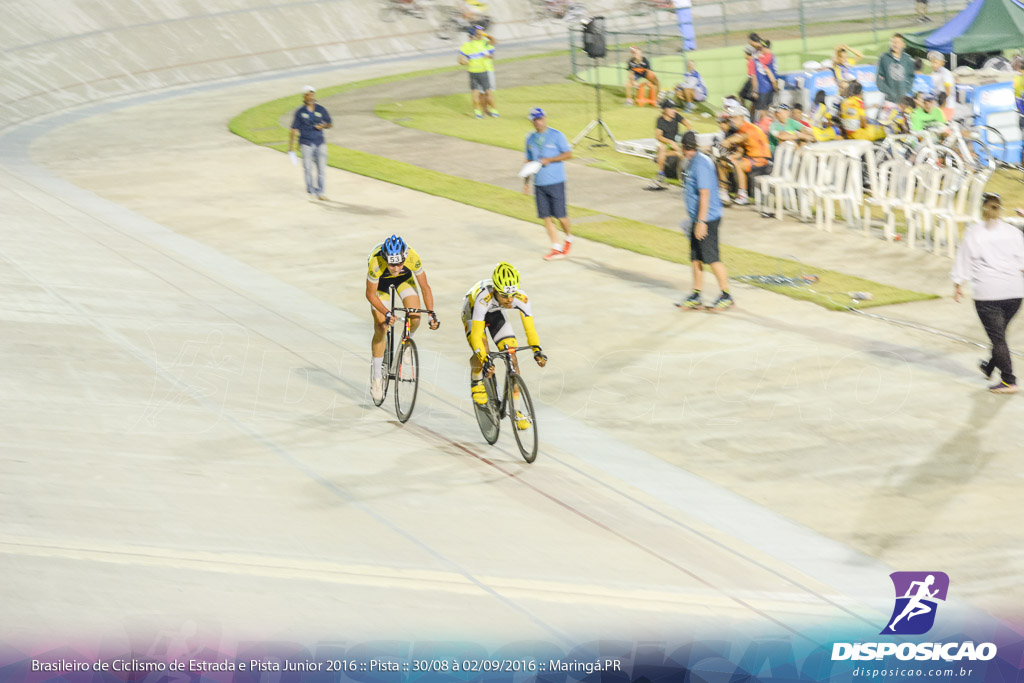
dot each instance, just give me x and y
(521, 421)
(479, 393)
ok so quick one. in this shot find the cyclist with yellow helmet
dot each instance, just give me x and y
(484, 308)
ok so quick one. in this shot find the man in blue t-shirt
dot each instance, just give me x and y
(704, 213)
(309, 123)
(549, 147)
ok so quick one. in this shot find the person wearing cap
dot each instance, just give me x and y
(943, 83)
(639, 67)
(927, 115)
(991, 258)
(666, 131)
(765, 80)
(895, 76)
(750, 156)
(704, 211)
(785, 128)
(308, 125)
(549, 147)
(477, 55)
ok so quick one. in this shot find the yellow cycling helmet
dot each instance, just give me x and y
(505, 278)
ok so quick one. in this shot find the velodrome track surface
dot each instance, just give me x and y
(187, 435)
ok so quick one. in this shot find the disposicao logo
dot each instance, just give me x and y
(918, 595)
(917, 598)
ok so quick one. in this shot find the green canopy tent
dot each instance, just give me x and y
(983, 26)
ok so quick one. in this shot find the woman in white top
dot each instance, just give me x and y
(943, 82)
(991, 257)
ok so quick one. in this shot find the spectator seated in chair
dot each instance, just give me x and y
(692, 90)
(823, 122)
(841, 63)
(928, 115)
(748, 153)
(667, 132)
(785, 128)
(638, 69)
(854, 116)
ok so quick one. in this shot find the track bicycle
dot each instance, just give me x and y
(390, 10)
(512, 400)
(402, 366)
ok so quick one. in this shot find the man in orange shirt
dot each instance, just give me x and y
(750, 155)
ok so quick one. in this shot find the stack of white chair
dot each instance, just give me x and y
(768, 189)
(842, 182)
(965, 208)
(937, 188)
(890, 192)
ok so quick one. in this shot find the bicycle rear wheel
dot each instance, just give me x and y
(387, 370)
(524, 420)
(407, 379)
(487, 415)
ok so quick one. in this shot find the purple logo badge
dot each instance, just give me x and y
(917, 597)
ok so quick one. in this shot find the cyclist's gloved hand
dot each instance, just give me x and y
(389, 318)
(434, 322)
(541, 359)
(488, 368)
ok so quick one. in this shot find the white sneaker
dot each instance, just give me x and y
(742, 200)
(377, 389)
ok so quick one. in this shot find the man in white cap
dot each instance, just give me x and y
(308, 124)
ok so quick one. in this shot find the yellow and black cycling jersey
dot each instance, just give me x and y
(377, 269)
(481, 310)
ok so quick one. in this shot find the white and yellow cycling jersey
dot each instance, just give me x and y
(481, 311)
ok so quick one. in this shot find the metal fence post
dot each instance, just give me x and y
(874, 23)
(803, 25)
(725, 25)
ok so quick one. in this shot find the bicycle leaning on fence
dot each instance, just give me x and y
(402, 366)
(512, 400)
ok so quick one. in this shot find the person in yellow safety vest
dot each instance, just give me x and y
(477, 54)
(854, 117)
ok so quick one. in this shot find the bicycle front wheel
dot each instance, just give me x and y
(487, 415)
(524, 420)
(407, 379)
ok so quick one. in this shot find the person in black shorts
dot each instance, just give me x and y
(638, 68)
(667, 133)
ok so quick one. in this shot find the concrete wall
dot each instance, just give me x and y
(56, 54)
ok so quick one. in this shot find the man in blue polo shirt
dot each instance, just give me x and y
(704, 211)
(550, 148)
(309, 123)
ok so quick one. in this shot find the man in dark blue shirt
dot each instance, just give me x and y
(309, 123)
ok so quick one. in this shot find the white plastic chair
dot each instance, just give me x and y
(965, 209)
(844, 184)
(781, 170)
(889, 194)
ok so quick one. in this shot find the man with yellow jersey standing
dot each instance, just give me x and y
(477, 54)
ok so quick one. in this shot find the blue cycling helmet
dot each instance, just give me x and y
(394, 250)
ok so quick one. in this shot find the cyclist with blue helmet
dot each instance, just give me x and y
(393, 264)
(483, 308)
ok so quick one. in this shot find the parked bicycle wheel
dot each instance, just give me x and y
(524, 423)
(943, 157)
(988, 141)
(407, 379)
(487, 415)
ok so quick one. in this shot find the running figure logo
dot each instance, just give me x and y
(917, 598)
